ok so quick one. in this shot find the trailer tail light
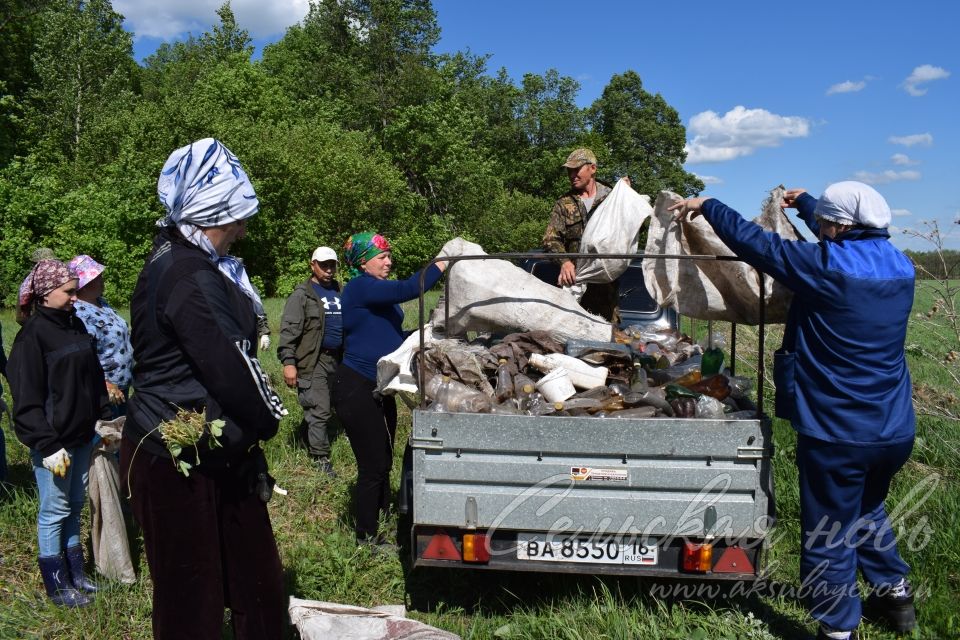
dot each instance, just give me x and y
(475, 547)
(697, 557)
(441, 547)
(734, 560)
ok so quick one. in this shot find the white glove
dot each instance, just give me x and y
(58, 463)
(264, 342)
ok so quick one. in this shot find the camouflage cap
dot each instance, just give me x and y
(580, 157)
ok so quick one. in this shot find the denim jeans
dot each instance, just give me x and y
(61, 500)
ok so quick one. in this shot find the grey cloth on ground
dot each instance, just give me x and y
(316, 620)
(111, 549)
(313, 394)
(712, 289)
(613, 228)
(500, 297)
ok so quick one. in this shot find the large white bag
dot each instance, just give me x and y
(500, 297)
(613, 228)
(712, 289)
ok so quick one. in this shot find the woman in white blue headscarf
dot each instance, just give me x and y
(207, 536)
(843, 383)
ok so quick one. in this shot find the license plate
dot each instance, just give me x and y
(556, 548)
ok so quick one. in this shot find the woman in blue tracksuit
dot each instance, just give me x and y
(843, 383)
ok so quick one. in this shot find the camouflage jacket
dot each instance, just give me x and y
(567, 220)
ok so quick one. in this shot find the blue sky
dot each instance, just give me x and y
(804, 94)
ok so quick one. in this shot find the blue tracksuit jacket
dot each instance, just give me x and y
(841, 374)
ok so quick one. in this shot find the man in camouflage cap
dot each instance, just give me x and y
(567, 220)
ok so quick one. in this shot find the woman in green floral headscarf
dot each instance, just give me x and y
(372, 328)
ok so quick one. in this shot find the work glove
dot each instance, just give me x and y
(115, 394)
(264, 342)
(58, 463)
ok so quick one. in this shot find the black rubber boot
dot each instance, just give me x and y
(896, 613)
(56, 580)
(81, 581)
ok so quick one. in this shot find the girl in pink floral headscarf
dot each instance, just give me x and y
(58, 396)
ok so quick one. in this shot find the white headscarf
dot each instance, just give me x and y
(204, 184)
(854, 203)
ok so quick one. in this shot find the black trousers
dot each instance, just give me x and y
(371, 424)
(210, 545)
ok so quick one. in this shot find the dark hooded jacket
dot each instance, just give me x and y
(56, 382)
(194, 343)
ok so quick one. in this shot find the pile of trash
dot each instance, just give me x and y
(642, 373)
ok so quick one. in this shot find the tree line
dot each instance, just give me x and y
(350, 122)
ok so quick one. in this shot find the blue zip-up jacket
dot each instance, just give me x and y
(841, 373)
(373, 319)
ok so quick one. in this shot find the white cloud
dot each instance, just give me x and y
(739, 132)
(849, 86)
(886, 176)
(173, 18)
(923, 139)
(901, 212)
(922, 74)
(903, 160)
(710, 179)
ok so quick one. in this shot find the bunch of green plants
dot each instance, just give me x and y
(186, 429)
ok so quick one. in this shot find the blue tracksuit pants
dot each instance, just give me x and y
(845, 526)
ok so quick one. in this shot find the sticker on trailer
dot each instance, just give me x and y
(582, 474)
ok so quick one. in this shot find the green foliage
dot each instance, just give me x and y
(350, 122)
(644, 136)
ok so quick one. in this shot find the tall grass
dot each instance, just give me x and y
(314, 531)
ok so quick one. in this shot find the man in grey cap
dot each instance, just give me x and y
(310, 348)
(567, 220)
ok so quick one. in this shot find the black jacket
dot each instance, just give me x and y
(56, 382)
(194, 343)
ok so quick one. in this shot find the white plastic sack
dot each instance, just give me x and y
(395, 370)
(316, 620)
(111, 549)
(500, 297)
(712, 289)
(613, 228)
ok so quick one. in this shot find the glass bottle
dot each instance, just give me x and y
(504, 388)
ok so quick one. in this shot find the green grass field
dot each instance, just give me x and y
(314, 534)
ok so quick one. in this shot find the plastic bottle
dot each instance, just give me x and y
(709, 408)
(638, 379)
(717, 386)
(582, 375)
(654, 397)
(455, 396)
(637, 413)
(523, 387)
(504, 389)
(581, 403)
(538, 405)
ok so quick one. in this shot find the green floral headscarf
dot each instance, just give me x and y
(360, 247)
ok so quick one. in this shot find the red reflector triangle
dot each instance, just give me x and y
(441, 547)
(733, 560)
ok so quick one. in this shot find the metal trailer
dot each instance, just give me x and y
(659, 497)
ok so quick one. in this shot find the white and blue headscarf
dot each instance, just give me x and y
(203, 185)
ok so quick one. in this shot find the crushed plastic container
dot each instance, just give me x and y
(556, 385)
(582, 375)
